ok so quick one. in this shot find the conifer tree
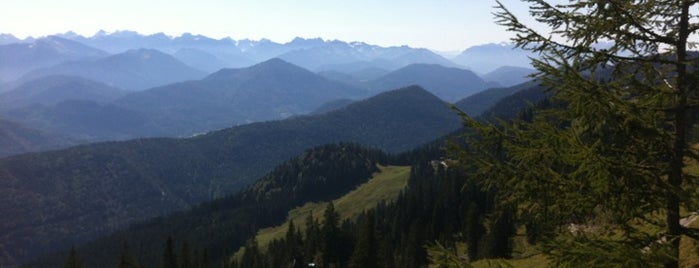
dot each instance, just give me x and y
(252, 257)
(312, 242)
(366, 248)
(330, 233)
(185, 257)
(73, 260)
(169, 257)
(601, 172)
(386, 254)
(126, 260)
(474, 231)
(293, 241)
(204, 261)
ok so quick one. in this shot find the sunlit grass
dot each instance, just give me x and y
(383, 186)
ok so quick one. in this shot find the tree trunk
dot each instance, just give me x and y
(674, 229)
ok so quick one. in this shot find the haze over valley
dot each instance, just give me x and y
(124, 85)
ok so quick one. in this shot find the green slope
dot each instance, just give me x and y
(383, 186)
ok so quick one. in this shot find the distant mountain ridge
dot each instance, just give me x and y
(51, 90)
(476, 104)
(507, 76)
(16, 138)
(270, 90)
(8, 39)
(172, 107)
(338, 55)
(203, 60)
(20, 58)
(486, 58)
(449, 84)
(136, 69)
(314, 54)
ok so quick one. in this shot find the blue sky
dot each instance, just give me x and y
(443, 25)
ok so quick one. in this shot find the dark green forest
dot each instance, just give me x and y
(436, 207)
(221, 226)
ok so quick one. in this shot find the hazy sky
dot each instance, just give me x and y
(444, 25)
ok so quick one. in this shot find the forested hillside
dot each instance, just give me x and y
(113, 184)
(17, 138)
(434, 207)
(221, 226)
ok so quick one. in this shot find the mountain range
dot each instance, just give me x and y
(477, 104)
(486, 58)
(136, 69)
(20, 58)
(183, 120)
(110, 185)
(270, 90)
(267, 91)
(314, 54)
(51, 90)
(220, 226)
(353, 57)
(449, 84)
(16, 138)
(507, 76)
(88, 111)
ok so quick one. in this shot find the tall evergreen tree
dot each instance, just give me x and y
(204, 260)
(313, 239)
(294, 240)
(73, 260)
(387, 258)
(601, 173)
(330, 233)
(169, 257)
(252, 257)
(365, 254)
(185, 257)
(474, 231)
(126, 260)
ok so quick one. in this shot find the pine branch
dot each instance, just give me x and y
(657, 37)
(528, 37)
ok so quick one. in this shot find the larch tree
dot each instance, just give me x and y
(599, 177)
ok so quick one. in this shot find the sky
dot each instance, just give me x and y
(441, 25)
